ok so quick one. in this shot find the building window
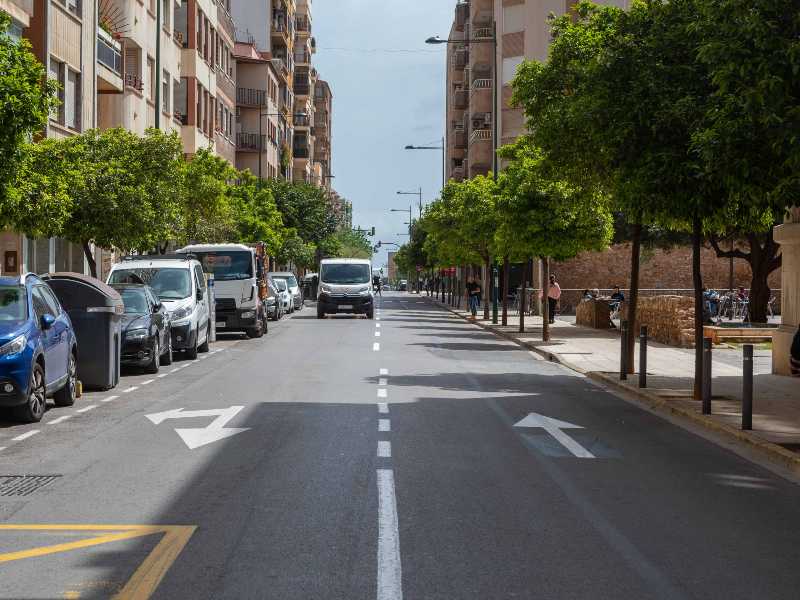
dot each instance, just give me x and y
(165, 85)
(73, 6)
(56, 73)
(68, 112)
(180, 101)
(166, 9)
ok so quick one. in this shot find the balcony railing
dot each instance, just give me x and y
(482, 33)
(301, 152)
(109, 53)
(280, 25)
(480, 135)
(303, 25)
(250, 96)
(482, 84)
(302, 89)
(301, 120)
(280, 65)
(250, 141)
(134, 81)
(302, 57)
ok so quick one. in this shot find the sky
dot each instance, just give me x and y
(388, 92)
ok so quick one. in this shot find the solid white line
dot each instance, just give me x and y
(148, 382)
(163, 375)
(390, 573)
(376, 347)
(86, 408)
(25, 435)
(109, 399)
(384, 425)
(383, 408)
(130, 389)
(383, 381)
(384, 449)
(383, 393)
(59, 420)
(383, 372)
(377, 334)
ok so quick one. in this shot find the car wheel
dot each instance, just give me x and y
(371, 314)
(66, 395)
(191, 353)
(204, 346)
(257, 331)
(320, 314)
(166, 358)
(33, 409)
(155, 364)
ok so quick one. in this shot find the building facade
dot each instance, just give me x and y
(322, 132)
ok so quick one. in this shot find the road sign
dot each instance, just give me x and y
(554, 428)
(200, 436)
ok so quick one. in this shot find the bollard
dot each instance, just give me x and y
(706, 376)
(623, 355)
(747, 388)
(643, 356)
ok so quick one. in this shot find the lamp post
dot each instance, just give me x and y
(495, 91)
(419, 193)
(444, 158)
(410, 212)
(261, 115)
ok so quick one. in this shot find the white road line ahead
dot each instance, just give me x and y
(25, 435)
(384, 449)
(59, 420)
(86, 408)
(376, 347)
(175, 370)
(377, 334)
(383, 372)
(163, 375)
(383, 393)
(390, 573)
(148, 382)
(130, 389)
(109, 399)
(383, 381)
(383, 408)
(384, 425)
(377, 325)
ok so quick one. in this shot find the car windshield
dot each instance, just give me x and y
(281, 284)
(12, 304)
(135, 301)
(227, 265)
(168, 284)
(289, 279)
(345, 273)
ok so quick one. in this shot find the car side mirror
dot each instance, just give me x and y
(47, 321)
(200, 295)
(157, 307)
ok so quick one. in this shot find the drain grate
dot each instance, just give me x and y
(24, 485)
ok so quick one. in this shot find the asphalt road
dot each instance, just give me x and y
(349, 459)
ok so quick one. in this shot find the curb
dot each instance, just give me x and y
(771, 452)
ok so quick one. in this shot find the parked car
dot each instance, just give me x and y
(38, 348)
(402, 285)
(274, 301)
(179, 282)
(294, 288)
(146, 330)
(286, 297)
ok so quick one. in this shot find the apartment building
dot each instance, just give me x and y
(522, 33)
(323, 121)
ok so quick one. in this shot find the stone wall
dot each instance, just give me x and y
(669, 319)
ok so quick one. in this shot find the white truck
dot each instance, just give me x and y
(238, 272)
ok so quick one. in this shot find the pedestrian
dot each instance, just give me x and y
(553, 295)
(474, 296)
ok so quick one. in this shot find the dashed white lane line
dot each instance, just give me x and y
(59, 420)
(384, 449)
(384, 425)
(162, 375)
(109, 399)
(390, 573)
(130, 389)
(2, 448)
(383, 372)
(377, 325)
(25, 435)
(377, 334)
(383, 381)
(383, 408)
(86, 408)
(175, 370)
(383, 393)
(376, 347)
(148, 382)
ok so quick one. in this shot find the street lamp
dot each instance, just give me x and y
(419, 193)
(261, 115)
(410, 212)
(444, 157)
(493, 41)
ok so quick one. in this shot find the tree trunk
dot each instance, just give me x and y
(633, 299)
(486, 282)
(87, 252)
(523, 293)
(545, 301)
(697, 280)
(506, 274)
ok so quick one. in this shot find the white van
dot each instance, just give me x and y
(236, 273)
(345, 286)
(179, 282)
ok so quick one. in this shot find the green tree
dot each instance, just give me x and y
(255, 215)
(353, 244)
(296, 251)
(305, 208)
(207, 214)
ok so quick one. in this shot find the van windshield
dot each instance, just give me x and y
(345, 273)
(227, 265)
(168, 284)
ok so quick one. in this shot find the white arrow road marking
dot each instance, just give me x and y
(200, 436)
(554, 427)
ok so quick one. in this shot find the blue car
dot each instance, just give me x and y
(38, 350)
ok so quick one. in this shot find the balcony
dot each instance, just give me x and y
(481, 84)
(303, 25)
(250, 97)
(480, 135)
(250, 142)
(461, 59)
(109, 52)
(460, 139)
(134, 82)
(482, 33)
(458, 173)
(281, 66)
(302, 57)
(281, 31)
(302, 89)
(301, 120)
(460, 99)
(301, 152)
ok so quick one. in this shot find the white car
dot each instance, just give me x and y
(181, 287)
(285, 295)
(293, 286)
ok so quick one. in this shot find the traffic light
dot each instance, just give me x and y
(378, 245)
(372, 232)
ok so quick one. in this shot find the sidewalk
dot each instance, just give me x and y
(776, 400)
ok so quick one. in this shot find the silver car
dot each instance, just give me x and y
(284, 294)
(293, 286)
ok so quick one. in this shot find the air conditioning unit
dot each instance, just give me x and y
(487, 118)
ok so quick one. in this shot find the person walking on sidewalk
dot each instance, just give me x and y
(552, 298)
(474, 296)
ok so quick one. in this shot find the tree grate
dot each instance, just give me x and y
(24, 485)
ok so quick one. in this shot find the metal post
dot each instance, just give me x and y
(623, 355)
(495, 283)
(643, 357)
(260, 149)
(747, 388)
(706, 376)
(158, 75)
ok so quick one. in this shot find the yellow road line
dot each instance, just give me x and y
(86, 543)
